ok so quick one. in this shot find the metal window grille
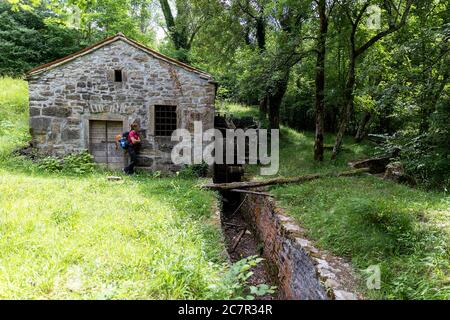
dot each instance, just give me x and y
(165, 120)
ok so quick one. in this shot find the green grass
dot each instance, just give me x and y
(296, 153)
(376, 222)
(83, 237)
(366, 219)
(13, 113)
(67, 237)
(237, 110)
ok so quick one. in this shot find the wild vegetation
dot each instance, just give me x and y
(66, 232)
(326, 72)
(339, 66)
(370, 221)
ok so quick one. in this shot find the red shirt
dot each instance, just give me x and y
(133, 134)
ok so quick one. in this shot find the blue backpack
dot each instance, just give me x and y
(124, 141)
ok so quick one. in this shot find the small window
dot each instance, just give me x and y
(165, 120)
(118, 75)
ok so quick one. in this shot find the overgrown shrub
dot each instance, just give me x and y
(235, 282)
(424, 159)
(50, 164)
(77, 163)
(195, 170)
(29, 38)
(425, 145)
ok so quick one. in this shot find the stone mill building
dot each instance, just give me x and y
(82, 101)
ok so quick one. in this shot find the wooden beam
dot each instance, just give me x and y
(278, 181)
(265, 194)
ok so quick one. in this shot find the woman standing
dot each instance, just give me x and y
(133, 141)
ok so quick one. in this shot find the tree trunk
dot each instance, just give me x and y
(263, 106)
(261, 32)
(261, 39)
(360, 134)
(320, 81)
(274, 111)
(179, 37)
(275, 100)
(348, 109)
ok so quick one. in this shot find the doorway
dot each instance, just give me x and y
(102, 143)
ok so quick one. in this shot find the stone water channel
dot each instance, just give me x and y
(253, 224)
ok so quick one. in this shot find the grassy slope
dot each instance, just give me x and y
(13, 113)
(371, 221)
(84, 237)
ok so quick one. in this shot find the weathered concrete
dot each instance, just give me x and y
(302, 271)
(63, 99)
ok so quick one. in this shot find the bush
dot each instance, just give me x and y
(236, 285)
(424, 159)
(50, 164)
(426, 154)
(29, 38)
(77, 163)
(195, 170)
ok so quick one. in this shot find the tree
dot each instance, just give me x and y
(354, 14)
(289, 35)
(182, 29)
(264, 42)
(320, 75)
(102, 18)
(255, 18)
(29, 38)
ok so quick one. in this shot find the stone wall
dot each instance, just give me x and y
(64, 99)
(301, 270)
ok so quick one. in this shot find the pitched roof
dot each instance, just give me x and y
(120, 36)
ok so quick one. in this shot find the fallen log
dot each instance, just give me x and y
(375, 165)
(265, 194)
(278, 181)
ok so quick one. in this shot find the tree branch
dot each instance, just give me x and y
(361, 13)
(245, 10)
(384, 33)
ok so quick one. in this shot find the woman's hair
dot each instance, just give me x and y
(134, 126)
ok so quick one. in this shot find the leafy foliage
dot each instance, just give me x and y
(44, 32)
(195, 171)
(26, 40)
(77, 163)
(237, 280)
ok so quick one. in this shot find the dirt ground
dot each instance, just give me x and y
(234, 225)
